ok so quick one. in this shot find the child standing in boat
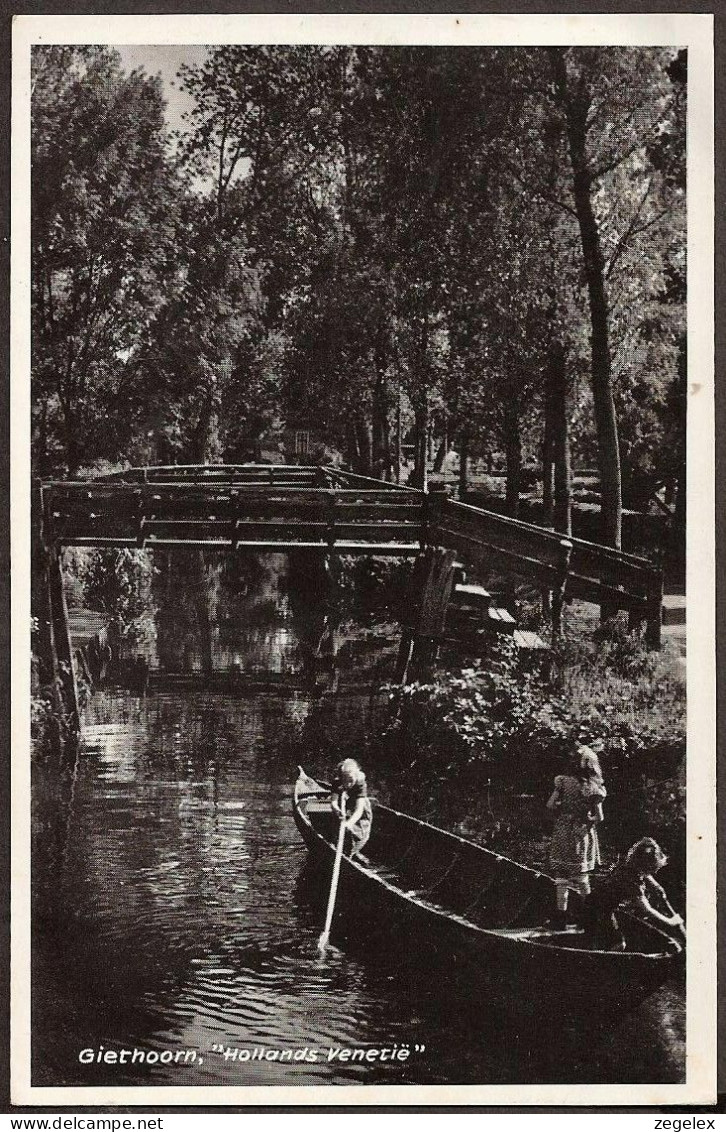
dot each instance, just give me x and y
(350, 799)
(576, 802)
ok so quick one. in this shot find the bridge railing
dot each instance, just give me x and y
(325, 508)
(167, 514)
(340, 477)
(300, 475)
(278, 474)
(594, 573)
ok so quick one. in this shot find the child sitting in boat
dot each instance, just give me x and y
(630, 882)
(350, 800)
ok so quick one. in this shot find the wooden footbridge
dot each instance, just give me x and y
(325, 510)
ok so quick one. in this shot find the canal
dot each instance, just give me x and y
(174, 914)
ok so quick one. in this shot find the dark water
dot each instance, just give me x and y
(174, 912)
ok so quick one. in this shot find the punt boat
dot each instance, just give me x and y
(478, 911)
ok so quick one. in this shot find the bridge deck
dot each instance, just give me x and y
(284, 507)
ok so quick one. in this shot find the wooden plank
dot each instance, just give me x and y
(614, 573)
(526, 639)
(385, 532)
(492, 555)
(501, 620)
(526, 543)
(614, 566)
(384, 512)
(437, 591)
(346, 477)
(590, 589)
(380, 549)
(471, 597)
(471, 589)
(501, 614)
(201, 473)
(240, 531)
(179, 498)
(174, 490)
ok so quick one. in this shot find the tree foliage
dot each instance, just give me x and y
(481, 246)
(103, 244)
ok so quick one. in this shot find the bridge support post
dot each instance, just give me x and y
(431, 585)
(653, 635)
(66, 672)
(40, 586)
(55, 651)
(558, 594)
(433, 506)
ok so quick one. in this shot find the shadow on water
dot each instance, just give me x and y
(482, 1033)
(174, 911)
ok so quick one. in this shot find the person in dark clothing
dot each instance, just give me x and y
(350, 801)
(630, 882)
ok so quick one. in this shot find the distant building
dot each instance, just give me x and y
(304, 441)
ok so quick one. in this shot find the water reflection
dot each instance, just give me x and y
(221, 612)
(185, 917)
(174, 909)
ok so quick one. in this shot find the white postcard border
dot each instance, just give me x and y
(692, 31)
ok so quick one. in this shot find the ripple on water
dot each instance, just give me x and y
(186, 925)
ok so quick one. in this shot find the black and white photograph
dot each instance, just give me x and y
(363, 736)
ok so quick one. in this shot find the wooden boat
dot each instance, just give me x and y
(477, 909)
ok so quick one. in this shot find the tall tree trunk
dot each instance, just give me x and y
(443, 451)
(422, 411)
(352, 444)
(576, 109)
(41, 461)
(679, 517)
(548, 483)
(74, 456)
(562, 509)
(208, 441)
(387, 455)
(556, 462)
(74, 444)
(399, 436)
(212, 449)
(420, 469)
(365, 446)
(513, 452)
(678, 534)
(548, 461)
(381, 445)
(463, 464)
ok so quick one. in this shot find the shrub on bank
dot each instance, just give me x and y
(495, 731)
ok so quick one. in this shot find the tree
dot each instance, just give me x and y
(614, 103)
(104, 199)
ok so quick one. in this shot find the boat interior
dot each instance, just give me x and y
(479, 887)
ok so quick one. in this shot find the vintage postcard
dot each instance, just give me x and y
(362, 485)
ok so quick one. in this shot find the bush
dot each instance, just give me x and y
(496, 724)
